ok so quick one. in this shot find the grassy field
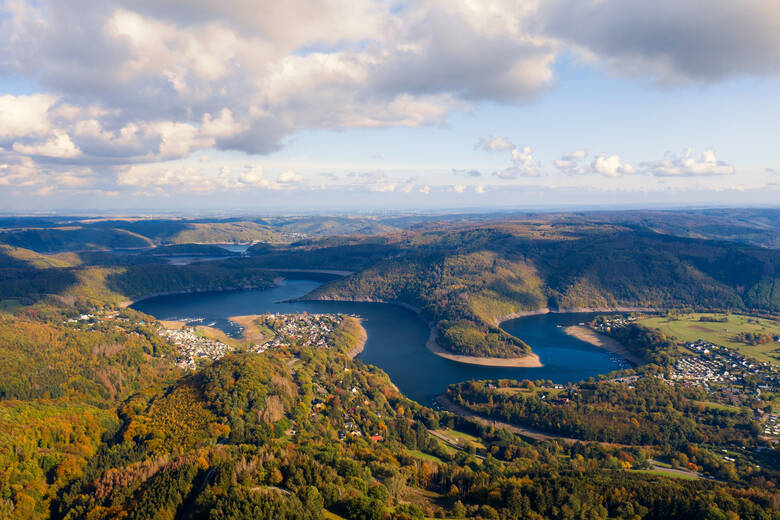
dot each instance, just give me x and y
(719, 406)
(663, 473)
(687, 327)
(424, 456)
(514, 390)
(460, 438)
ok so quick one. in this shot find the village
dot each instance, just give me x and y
(191, 347)
(719, 365)
(300, 330)
(725, 374)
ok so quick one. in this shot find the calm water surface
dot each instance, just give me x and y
(397, 336)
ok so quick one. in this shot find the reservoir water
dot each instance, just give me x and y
(397, 336)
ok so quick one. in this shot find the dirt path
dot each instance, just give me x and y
(524, 431)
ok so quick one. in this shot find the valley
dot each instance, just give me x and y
(295, 380)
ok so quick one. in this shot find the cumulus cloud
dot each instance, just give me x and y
(523, 165)
(289, 177)
(494, 144)
(58, 146)
(687, 166)
(21, 116)
(611, 166)
(570, 164)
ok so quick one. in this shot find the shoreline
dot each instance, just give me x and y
(127, 303)
(528, 361)
(604, 342)
(320, 271)
(361, 344)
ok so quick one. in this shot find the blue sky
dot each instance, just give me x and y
(382, 105)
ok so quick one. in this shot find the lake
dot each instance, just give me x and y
(397, 336)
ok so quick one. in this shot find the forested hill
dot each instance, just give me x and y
(465, 279)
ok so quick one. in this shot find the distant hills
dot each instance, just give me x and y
(758, 227)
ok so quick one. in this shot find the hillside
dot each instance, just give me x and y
(98, 279)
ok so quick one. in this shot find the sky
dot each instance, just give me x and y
(302, 105)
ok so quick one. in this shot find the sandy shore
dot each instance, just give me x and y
(361, 344)
(598, 340)
(529, 361)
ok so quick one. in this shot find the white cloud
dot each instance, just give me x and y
(59, 146)
(22, 116)
(576, 154)
(523, 165)
(290, 177)
(221, 126)
(22, 172)
(611, 166)
(186, 178)
(686, 166)
(494, 144)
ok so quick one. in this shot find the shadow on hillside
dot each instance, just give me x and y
(21, 281)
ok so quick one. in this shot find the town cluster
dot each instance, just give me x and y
(301, 329)
(606, 324)
(191, 347)
(717, 365)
